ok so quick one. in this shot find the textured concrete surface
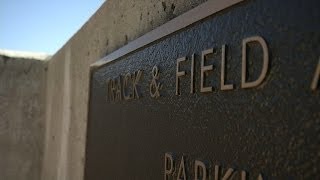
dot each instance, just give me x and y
(22, 88)
(115, 24)
(24, 54)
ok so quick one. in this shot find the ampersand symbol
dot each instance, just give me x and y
(154, 86)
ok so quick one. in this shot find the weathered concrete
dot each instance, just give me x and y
(22, 117)
(24, 54)
(115, 24)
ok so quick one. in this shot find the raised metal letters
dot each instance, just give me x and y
(316, 77)
(154, 85)
(118, 89)
(228, 174)
(179, 74)
(135, 80)
(110, 95)
(223, 70)
(127, 79)
(205, 69)
(168, 165)
(182, 170)
(123, 87)
(192, 75)
(263, 74)
(244, 176)
(201, 171)
(200, 165)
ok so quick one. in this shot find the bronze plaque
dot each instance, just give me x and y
(227, 90)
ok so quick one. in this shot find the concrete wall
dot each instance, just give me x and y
(22, 117)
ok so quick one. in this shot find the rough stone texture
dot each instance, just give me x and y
(22, 88)
(115, 24)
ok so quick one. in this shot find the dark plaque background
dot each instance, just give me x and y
(273, 128)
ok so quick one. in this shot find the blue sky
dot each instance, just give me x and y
(42, 25)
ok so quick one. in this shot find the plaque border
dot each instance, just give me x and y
(186, 19)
